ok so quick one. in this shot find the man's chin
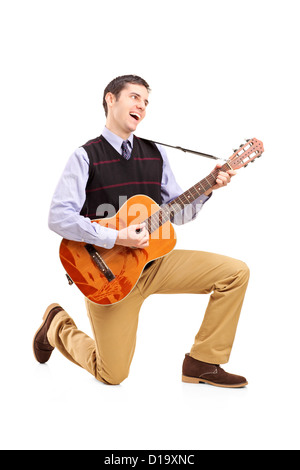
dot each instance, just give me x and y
(132, 128)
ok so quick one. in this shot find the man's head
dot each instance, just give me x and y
(125, 100)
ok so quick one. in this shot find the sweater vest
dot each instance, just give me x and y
(113, 179)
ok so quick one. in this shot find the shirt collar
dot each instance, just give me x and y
(115, 140)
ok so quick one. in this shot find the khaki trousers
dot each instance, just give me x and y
(109, 355)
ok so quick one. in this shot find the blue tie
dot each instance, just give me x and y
(125, 150)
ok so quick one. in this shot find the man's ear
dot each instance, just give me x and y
(110, 99)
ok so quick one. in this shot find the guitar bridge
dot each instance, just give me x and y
(99, 262)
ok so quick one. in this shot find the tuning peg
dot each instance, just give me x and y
(235, 150)
(247, 140)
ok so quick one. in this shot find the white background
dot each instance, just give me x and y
(220, 72)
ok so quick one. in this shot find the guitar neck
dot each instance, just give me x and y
(197, 190)
(166, 212)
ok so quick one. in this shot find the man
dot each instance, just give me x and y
(103, 173)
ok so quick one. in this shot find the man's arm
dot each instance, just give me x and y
(171, 190)
(67, 202)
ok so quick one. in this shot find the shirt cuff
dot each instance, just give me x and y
(106, 237)
(203, 199)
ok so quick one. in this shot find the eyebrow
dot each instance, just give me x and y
(137, 94)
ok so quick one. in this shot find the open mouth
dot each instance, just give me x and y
(136, 116)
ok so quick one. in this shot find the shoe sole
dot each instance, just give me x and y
(195, 380)
(45, 316)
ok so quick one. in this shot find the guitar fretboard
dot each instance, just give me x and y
(167, 212)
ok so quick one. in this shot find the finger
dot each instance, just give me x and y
(144, 233)
(218, 165)
(139, 227)
(142, 237)
(223, 174)
(143, 243)
(222, 180)
(145, 239)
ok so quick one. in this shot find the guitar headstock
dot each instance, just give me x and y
(246, 153)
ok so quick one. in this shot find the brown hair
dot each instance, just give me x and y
(118, 84)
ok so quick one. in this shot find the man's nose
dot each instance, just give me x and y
(141, 105)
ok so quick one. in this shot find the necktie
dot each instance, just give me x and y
(125, 150)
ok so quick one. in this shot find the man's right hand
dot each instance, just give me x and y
(135, 236)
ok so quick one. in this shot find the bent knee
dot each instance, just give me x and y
(112, 378)
(243, 270)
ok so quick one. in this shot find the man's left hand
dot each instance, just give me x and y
(222, 180)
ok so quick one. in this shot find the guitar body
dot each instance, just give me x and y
(126, 264)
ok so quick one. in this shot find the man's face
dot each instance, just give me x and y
(128, 111)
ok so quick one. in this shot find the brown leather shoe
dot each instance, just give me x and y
(194, 371)
(42, 349)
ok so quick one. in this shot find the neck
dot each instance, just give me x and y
(117, 130)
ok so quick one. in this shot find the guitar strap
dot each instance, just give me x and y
(187, 150)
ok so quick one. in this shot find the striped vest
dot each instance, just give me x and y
(112, 179)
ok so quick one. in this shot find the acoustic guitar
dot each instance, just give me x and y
(107, 276)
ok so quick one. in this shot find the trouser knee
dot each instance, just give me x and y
(243, 271)
(112, 378)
